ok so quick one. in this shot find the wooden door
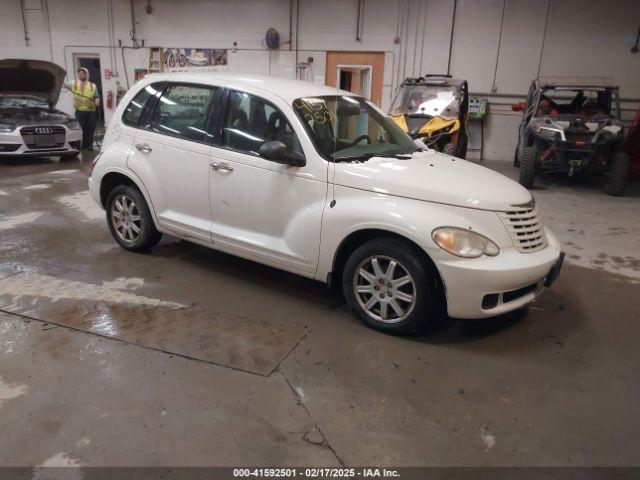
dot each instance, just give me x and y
(353, 62)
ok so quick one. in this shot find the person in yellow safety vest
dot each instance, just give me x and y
(85, 101)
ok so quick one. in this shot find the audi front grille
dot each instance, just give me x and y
(43, 137)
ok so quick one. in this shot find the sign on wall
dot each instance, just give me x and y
(185, 59)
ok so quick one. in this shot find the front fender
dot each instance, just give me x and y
(357, 210)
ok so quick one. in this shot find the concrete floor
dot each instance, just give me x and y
(191, 357)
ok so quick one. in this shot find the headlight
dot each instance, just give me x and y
(464, 243)
(7, 127)
(73, 125)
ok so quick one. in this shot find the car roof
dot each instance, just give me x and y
(605, 82)
(287, 89)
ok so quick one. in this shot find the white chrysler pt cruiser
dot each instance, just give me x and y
(320, 183)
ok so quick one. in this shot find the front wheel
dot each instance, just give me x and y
(618, 175)
(528, 162)
(130, 220)
(390, 287)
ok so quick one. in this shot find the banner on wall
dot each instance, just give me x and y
(186, 59)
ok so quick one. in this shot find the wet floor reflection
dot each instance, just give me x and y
(248, 344)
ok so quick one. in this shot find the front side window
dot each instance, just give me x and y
(251, 121)
(345, 128)
(183, 111)
(133, 112)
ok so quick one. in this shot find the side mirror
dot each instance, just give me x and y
(278, 152)
(518, 107)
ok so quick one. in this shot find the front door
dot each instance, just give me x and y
(172, 155)
(264, 210)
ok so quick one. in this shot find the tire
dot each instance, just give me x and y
(463, 143)
(412, 316)
(137, 218)
(618, 175)
(528, 166)
(449, 149)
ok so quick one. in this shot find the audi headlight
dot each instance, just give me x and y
(7, 127)
(73, 125)
(464, 243)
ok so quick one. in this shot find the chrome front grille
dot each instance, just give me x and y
(525, 228)
(43, 136)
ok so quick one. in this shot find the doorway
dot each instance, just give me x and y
(91, 62)
(356, 79)
(357, 72)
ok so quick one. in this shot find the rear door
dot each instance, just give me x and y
(136, 112)
(171, 155)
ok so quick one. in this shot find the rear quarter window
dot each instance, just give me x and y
(140, 103)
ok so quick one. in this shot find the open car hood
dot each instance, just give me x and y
(32, 77)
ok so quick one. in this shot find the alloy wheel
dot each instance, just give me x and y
(125, 218)
(385, 289)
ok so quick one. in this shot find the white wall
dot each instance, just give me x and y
(559, 37)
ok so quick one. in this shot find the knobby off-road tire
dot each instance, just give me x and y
(528, 163)
(618, 175)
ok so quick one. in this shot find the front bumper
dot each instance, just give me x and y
(13, 144)
(490, 286)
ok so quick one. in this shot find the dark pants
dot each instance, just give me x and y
(87, 121)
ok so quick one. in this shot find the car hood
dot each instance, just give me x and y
(32, 77)
(434, 177)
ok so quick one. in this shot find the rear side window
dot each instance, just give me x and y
(184, 111)
(251, 121)
(138, 105)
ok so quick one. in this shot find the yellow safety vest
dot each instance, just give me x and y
(84, 99)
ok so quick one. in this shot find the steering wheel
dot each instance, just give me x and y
(360, 138)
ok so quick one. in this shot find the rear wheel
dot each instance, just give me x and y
(618, 175)
(528, 163)
(130, 221)
(390, 287)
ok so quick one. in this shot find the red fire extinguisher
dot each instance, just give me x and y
(109, 99)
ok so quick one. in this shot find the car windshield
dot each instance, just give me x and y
(345, 128)
(431, 101)
(7, 101)
(574, 101)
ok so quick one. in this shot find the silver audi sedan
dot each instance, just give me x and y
(29, 123)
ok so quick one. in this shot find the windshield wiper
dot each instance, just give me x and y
(368, 156)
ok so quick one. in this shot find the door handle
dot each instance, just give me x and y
(224, 167)
(143, 147)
